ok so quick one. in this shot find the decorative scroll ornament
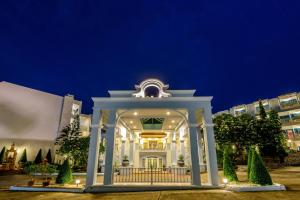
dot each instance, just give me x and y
(140, 89)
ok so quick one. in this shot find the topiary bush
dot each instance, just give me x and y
(228, 167)
(2, 155)
(250, 153)
(49, 156)
(23, 158)
(65, 173)
(38, 159)
(258, 172)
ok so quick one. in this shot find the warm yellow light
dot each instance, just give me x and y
(77, 182)
(134, 127)
(131, 122)
(289, 141)
(135, 113)
(168, 113)
(225, 181)
(173, 121)
(170, 126)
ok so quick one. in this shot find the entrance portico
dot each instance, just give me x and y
(156, 130)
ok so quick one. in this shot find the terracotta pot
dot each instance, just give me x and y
(30, 183)
(46, 183)
(180, 163)
(125, 163)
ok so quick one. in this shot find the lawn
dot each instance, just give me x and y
(289, 176)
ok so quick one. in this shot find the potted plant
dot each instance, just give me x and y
(30, 168)
(125, 161)
(180, 161)
(46, 169)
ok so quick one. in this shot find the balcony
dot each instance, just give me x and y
(152, 148)
(292, 104)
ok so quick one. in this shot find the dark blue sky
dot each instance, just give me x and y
(237, 51)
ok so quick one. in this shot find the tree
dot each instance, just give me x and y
(228, 167)
(23, 158)
(38, 159)
(49, 156)
(262, 111)
(250, 153)
(65, 173)
(258, 172)
(2, 155)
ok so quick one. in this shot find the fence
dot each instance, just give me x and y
(152, 175)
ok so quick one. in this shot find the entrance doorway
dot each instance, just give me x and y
(154, 162)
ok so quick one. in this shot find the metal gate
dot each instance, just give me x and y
(152, 175)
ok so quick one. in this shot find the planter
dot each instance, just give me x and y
(125, 163)
(30, 183)
(46, 183)
(180, 163)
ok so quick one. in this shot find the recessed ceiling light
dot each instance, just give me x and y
(170, 126)
(131, 122)
(134, 127)
(135, 113)
(173, 121)
(168, 113)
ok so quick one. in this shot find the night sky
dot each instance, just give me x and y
(237, 51)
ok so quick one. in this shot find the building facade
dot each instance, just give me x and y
(288, 108)
(152, 129)
(32, 119)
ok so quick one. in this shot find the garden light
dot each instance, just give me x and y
(77, 182)
(225, 181)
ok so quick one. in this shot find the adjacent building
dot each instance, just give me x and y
(32, 119)
(288, 108)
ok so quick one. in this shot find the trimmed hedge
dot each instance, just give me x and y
(38, 159)
(23, 158)
(49, 156)
(258, 172)
(65, 173)
(2, 155)
(250, 153)
(228, 167)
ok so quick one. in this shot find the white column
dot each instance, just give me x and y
(91, 175)
(131, 149)
(122, 149)
(182, 148)
(174, 155)
(200, 148)
(210, 148)
(109, 157)
(196, 179)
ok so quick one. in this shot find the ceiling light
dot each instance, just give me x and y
(170, 126)
(173, 121)
(168, 113)
(135, 113)
(134, 127)
(131, 122)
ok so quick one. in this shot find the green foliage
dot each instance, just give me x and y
(23, 158)
(30, 168)
(258, 172)
(228, 167)
(125, 157)
(181, 157)
(262, 111)
(65, 173)
(250, 153)
(38, 159)
(49, 156)
(2, 155)
(73, 145)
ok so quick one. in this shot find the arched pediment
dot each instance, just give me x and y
(141, 89)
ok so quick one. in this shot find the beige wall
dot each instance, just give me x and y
(28, 114)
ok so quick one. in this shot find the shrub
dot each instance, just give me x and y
(250, 153)
(23, 158)
(228, 167)
(65, 173)
(2, 155)
(49, 156)
(258, 172)
(38, 159)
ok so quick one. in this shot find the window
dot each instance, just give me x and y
(285, 118)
